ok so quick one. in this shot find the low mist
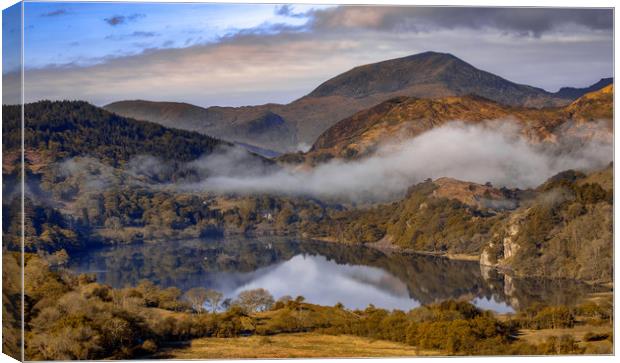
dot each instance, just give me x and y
(476, 153)
(490, 152)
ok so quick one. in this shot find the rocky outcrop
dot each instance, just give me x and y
(502, 248)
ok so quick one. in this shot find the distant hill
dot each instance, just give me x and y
(572, 92)
(406, 117)
(284, 127)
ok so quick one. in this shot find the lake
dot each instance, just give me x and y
(324, 273)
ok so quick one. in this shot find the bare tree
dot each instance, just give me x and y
(214, 298)
(197, 298)
(255, 300)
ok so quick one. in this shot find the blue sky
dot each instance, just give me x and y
(11, 38)
(246, 54)
(88, 33)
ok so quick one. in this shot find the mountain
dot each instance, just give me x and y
(572, 92)
(431, 75)
(406, 117)
(287, 127)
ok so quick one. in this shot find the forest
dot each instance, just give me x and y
(64, 129)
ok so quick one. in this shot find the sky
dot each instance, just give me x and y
(247, 54)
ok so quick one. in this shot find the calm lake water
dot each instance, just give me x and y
(324, 273)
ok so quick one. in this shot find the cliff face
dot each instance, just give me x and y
(560, 232)
(500, 250)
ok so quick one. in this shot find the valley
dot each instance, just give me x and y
(434, 200)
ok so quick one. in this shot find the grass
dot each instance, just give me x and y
(578, 332)
(301, 345)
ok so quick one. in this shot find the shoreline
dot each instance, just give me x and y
(384, 245)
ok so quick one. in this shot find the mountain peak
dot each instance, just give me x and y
(430, 75)
(433, 54)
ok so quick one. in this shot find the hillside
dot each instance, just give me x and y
(406, 117)
(597, 105)
(73, 128)
(253, 126)
(284, 127)
(554, 231)
(566, 231)
(74, 154)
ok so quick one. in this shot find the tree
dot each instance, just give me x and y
(197, 298)
(255, 300)
(226, 304)
(214, 298)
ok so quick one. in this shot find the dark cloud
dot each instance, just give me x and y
(115, 20)
(287, 10)
(520, 21)
(55, 13)
(122, 19)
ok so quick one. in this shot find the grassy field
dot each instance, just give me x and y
(578, 332)
(306, 345)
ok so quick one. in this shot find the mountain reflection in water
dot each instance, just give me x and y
(324, 273)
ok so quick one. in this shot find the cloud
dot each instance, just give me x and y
(288, 11)
(494, 152)
(520, 21)
(115, 20)
(55, 13)
(144, 34)
(266, 28)
(136, 34)
(122, 19)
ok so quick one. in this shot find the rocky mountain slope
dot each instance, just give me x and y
(284, 127)
(405, 117)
